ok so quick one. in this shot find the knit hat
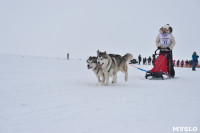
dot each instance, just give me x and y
(166, 26)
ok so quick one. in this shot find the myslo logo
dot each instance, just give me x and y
(184, 129)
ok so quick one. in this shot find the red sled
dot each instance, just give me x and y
(163, 65)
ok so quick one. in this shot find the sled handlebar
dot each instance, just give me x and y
(160, 49)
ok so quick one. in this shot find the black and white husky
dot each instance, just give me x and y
(113, 63)
(92, 64)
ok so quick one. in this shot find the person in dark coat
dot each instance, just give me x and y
(67, 56)
(194, 61)
(149, 60)
(139, 59)
(144, 60)
(177, 63)
(187, 63)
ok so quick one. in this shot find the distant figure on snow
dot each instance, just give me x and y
(67, 56)
(177, 63)
(144, 61)
(149, 60)
(139, 59)
(194, 61)
(190, 63)
(174, 62)
(182, 63)
(186, 63)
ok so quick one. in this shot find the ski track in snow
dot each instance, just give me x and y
(46, 95)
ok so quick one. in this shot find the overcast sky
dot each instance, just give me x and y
(80, 27)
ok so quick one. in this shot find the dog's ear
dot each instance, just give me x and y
(87, 59)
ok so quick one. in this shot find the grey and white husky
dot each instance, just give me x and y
(113, 63)
(92, 64)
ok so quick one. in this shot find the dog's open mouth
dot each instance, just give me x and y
(101, 65)
(89, 67)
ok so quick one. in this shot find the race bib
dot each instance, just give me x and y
(165, 40)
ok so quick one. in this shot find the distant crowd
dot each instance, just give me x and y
(150, 61)
(182, 63)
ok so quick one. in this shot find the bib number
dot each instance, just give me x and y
(165, 40)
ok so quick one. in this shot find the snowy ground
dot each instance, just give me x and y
(46, 95)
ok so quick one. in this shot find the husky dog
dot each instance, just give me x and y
(92, 64)
(112, 63)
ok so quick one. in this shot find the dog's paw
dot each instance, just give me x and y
(100, 81)
(114, 82)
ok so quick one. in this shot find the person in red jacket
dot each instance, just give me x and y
(182, 63)
(174, 62)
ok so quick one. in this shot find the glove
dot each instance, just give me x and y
(168, 48)
(159, 47)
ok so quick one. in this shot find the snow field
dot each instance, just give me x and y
(47, 95)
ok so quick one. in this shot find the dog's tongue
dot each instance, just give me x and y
(101, 65)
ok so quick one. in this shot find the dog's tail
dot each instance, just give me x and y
(127, 57)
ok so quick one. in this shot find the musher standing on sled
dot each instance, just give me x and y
(166, 40)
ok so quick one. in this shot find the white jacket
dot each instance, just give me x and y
(172, 44)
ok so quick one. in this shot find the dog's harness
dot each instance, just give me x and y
(121, 59)
(118, 56)
(109, 68)
(98, 70)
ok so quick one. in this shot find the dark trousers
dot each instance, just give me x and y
(194, 65)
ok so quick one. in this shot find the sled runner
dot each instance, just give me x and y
(163, 65)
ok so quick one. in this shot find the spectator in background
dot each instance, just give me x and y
(139, 59)
(182, 63)
(186, 63)
(177, 63)
(190, 63)
(149, 60)
(194, 61)
(144, 61)
(67, 56)
(174, 62)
